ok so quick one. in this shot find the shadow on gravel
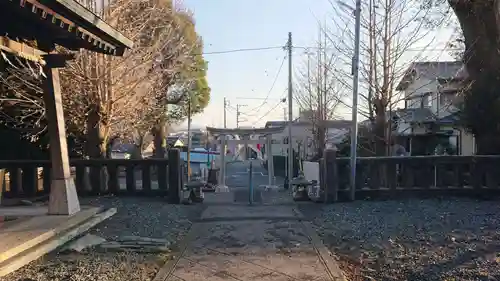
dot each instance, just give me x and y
(465, 260)
(310, 210)
(432, 240)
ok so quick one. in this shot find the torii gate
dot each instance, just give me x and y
(245, 140)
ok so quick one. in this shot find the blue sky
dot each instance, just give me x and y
(236, 24)
(241, 24)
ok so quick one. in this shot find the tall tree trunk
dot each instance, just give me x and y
(109, 145)
(96, 140)
(321, 134)
(480, 23)
(379, 130)
(159, 138)
(96, 145)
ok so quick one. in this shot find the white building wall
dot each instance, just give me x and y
(423, 85)
(299, 133)
(303, 134)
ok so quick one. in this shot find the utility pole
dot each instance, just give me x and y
(284, 114)
(225, 105)
(238, 113)
(290, 112)
(355, 74)
(319, 121)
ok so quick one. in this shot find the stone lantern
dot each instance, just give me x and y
(193, 191)
(300, 188)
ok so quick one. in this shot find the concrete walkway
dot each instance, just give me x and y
(268, 240)
(237, 242)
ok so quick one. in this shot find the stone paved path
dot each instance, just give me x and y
(276, 248)
(234, 241)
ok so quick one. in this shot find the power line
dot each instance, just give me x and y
(267, 113)
(416, 49)
(244, 98)
(242, 50)
(419, 49)
(272, 109)
(257, 108)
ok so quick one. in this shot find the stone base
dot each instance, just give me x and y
(63, 197)
(221, 188)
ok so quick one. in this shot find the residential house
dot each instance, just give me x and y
(302, 134)
(429, 118)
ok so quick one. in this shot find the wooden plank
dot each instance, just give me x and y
(29, 233)
(21, 50)
(2, 183)
(54, 243)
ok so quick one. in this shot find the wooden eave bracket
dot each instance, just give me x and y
(22, 50)
(58, 60)
(79, 33)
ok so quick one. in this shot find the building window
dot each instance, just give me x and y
(446, 98)
(426, 101)
(413, 102)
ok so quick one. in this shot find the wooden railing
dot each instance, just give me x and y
(426, 175)
(25, 179)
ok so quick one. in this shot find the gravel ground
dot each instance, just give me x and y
(450, 240)
(148, 217)
(145, 217)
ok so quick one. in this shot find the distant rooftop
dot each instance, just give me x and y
(443, 70)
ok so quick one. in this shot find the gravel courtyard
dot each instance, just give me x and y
(452, 240)
(145, 217)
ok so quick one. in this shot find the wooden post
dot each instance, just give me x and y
(2, 184)
(330, 175)
(322, 181)
(174, 176)
(63, 197)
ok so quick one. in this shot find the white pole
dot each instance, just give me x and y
(355, 73)
(270, 162)
(222, 168)
(245, 147)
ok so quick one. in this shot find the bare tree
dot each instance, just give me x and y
(317, 91)
(118, 95)
(394, 35)
(21, 101)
